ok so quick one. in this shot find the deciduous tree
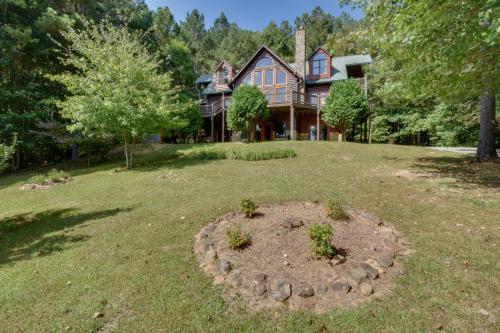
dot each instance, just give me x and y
(116, 88)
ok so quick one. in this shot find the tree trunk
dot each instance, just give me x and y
(487, 126)
(128, 161)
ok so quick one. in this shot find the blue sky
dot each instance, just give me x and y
(251, 14)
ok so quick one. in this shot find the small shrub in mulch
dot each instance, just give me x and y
(321, 240)
(248, 207)
(237, 239)
(335, 211)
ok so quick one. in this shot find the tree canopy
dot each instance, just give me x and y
(345, 105)
(248, 106)
(116, 88)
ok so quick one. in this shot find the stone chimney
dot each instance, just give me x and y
(300, 52)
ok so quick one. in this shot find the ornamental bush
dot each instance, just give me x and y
(248, 207)
(236, 239)
(335, 211)
(321, 237)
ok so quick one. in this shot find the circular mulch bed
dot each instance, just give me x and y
(49, 184)
(278, 267)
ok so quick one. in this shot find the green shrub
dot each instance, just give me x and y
(335, 211)
(321, 235)
(56, 176)
(209, 155)
(263, 155)
(37, 179)
(248, 207)
(237, 239)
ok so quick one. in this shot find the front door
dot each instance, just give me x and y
(266, 133)
(313, 133)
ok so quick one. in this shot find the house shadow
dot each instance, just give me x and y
(26, 235)
(464, 170)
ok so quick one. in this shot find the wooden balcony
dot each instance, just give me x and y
(297, 99)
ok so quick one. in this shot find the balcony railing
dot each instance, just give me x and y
(296, 98)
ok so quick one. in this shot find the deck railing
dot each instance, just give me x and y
(296, 98)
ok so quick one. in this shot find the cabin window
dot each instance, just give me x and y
(269, 77)
(281, 95)
(223, 76)
(247, 80)
(319, 64)
(280, 77)
(258, 79)
(280, 130)
(264, 62)
(268, 95)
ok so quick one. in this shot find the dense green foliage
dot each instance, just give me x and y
(116, 88)
(321, 240)
(6, 153)
(236, 239)
(263, 155)
(248, 106)
(434, 58)
(334, 210)
(345, 106)
(248, 207)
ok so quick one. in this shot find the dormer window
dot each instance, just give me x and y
(223, 77)
(319, 64)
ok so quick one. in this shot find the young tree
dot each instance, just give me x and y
(248, 106)
(345, 105)
(116, 88)
(6, 153)
(446, 48)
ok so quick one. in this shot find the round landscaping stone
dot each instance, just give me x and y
(303, 289)
(281, 290)
(279, 268)
(366, 289)
(341, 287)
(225, 266)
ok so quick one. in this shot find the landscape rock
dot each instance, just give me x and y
(376, 265)
(337, 260)
(291, 223)
(366, 289)
(260, 288)
(370, 271)
(259, 278)
(303, 289)
(341, 286)
(386, 261)
(320, 288)
(236, 279)
(356, 275)
(281, 290)
(225, 266)
(211, 255)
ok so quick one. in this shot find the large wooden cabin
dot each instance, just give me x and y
(295, 92)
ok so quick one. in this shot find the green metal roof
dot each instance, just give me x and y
(212, 90)
(205, 78)
(339, 70)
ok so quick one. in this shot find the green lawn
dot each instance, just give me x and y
(120, 243)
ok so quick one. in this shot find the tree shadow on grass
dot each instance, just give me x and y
(23, 236)
(464, 170)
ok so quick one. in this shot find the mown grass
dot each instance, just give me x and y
(120, 243)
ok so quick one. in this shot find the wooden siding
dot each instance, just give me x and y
(291, 84)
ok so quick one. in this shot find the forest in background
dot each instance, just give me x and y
(29, 52)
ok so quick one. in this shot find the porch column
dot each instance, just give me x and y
(318, 130)
(292, 122)
(212, 122)
(223, 112)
